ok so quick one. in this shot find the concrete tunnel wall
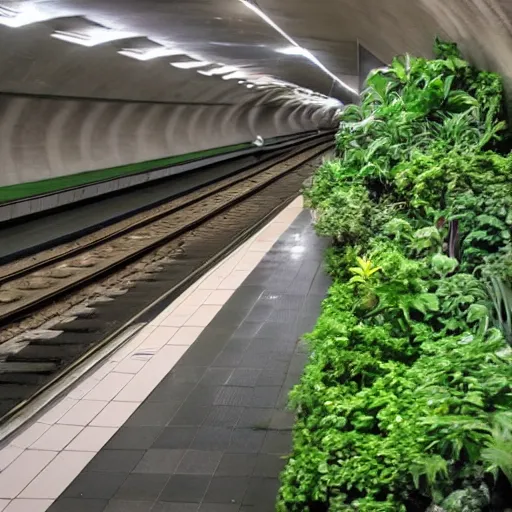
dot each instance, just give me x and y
(44, 138)
(66, 109)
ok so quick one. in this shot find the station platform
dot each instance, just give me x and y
(190, 415)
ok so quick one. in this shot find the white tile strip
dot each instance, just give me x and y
(42, 461)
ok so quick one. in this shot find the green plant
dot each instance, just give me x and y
(405, 403)
(363, 272)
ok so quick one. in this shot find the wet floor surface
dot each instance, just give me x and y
(212, 436)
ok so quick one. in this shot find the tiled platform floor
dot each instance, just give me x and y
(189, 415)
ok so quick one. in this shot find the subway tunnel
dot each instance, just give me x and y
(163, 255)
(88, 85)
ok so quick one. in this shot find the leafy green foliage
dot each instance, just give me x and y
(406, 402)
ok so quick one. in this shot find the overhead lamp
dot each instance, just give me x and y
(191, 64)
(294, 50)
(234, 75)
(149, 53)
(222, 70)
(91, 37)
(304, 52)
(28, 15)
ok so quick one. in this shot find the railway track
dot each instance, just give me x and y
(179, 241)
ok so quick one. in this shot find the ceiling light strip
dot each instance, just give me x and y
(305, 52)
(192, 64)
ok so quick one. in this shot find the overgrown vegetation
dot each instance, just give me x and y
(406, 403)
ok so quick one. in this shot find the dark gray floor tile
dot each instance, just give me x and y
(282, 420)
(284, 398)
(291, 381)
(269, 465)
(120, 461)
(307, 322)
(265, 396)
(219, 507)
(237, 344)
(228, 319)
(229, 358)
(129, 506)
(258, 276)
(223, 416)
(255, 418)
(283, 352)
(212, 439)
(282, 301)
(262, 492)
(277, 442)
(246, 441)
(202, 395)
(244, 298)
(199, 462)
(247, 329)
(216, 376)
(313, 304)
(236, 464)
(134, 438)
(247, 377)
(234, 395)
(277, 330)
(257, 348)
(297, 364)
(177, 438)
(186, 489)
(202, 353)
(255, 360)
(186, 374)
(213, 338)
(226, 489)
(142, 487)
(271, 378)
(163, 506)
(263, 345)
(278, 366)
(99, 485)
(284, 316)
(78, 505)
(160, 460)
(259, 313)
(153, 414)
(321, 282)
(190, 414)
(168, 391)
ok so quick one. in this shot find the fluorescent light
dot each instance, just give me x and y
(192, 64)
(15, 19)
(234, 76)
(306, 53)
(294, 50)
(265, 18)
(219, 71)
(250, 86)
(148, 54)
(92, 37)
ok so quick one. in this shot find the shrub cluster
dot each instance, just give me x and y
(406, 402)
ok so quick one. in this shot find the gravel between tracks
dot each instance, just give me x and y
(144, 268)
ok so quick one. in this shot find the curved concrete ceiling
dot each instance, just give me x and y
(89, 83)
